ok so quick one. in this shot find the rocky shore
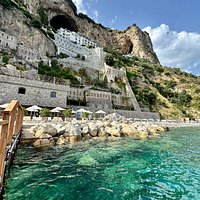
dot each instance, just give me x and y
(111, 127)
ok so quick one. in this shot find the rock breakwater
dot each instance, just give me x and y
(111, 127)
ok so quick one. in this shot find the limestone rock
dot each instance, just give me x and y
(45, 136)
(127, 130)
(93, 129)
(85, 130)
(87, 137)
(60, 129)
(44, 142)
(35, 128)
(113, 117)
(144, 135)
(27, 136)
(46, 129)
(102, 132)
(113, 131)
(75, 130)
(60, 141)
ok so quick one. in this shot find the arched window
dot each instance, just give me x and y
(22, 90)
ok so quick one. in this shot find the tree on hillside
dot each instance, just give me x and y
(43, 16)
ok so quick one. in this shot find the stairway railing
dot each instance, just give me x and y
(12, 120)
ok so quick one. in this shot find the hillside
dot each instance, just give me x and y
(169, 91)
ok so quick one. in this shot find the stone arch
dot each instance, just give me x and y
(64, 21)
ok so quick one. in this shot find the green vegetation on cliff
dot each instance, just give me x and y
(169, 91)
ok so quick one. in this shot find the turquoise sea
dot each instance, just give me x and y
(163, 168)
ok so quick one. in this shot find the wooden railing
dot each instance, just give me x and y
(12, 120)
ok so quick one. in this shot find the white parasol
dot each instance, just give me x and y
(59, 108)
(4, 105)
(55, 110)
(101, 112)
(81, 110)
(34, 107)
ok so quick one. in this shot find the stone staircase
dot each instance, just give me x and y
(132, 96)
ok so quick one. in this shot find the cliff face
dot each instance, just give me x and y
(62, 13)
(13, 23)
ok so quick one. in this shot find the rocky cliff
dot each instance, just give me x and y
(63, 13)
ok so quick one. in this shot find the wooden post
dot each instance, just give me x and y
(3, 143)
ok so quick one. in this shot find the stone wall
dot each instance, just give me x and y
(137, 115)
(36, 92)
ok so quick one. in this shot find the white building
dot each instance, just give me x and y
(7, 41)
(26, 53)
(76, 38)
(72, 43)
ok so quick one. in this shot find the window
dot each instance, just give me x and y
(53, 95)
(22, 90)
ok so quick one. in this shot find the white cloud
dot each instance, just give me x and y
(176, 49)
(114, 20)
(80, 6)
(84, 6)
(96, 13)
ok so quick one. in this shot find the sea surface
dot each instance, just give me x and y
(162, 168)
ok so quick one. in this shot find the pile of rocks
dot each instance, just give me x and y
(48, 134)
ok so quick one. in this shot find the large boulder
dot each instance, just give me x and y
(60, 129)
(142, 128)
(44, 142)
(61, 140)
(45, 136)
(113, 131)
(87, 137)
(127, 130)
(75, 130)
(46, 129)
(27, 137)
(113, 117)
(144, 135)
(102, 132)
(99, 124)
(85, 129)
(93, 129)
(35, 128)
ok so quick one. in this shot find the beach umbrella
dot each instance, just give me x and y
(100, 112)
(33, 111)
(34, 107)
(4, 105)
(89, 112)
(81, 110)
(55, 110)
(59, 108)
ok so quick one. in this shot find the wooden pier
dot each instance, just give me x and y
(12, 119)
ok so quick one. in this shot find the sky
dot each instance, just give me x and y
(173, 26)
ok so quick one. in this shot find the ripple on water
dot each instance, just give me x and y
(164, 168)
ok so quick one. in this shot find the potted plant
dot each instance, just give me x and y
(85, 115)
(45, 113)
(67, 113)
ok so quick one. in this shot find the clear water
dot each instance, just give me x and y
(163, 168)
